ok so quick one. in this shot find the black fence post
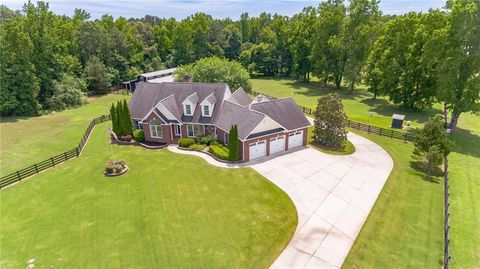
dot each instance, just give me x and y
(18, 175)
(369, 129)
(53, 163)
(36, 169)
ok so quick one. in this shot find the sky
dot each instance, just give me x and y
(180, 9)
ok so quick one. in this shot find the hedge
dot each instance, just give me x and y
(198, 147)
(219, 151)
(138, 135)
(186, 142)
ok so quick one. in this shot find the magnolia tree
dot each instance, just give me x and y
(330, 122)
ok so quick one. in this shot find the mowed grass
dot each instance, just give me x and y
(28, 140)
(404, 228)
(347, 150)
(464, 166)
(167, 211)
(359, 105)
(464, 183)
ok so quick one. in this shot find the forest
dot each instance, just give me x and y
(50, 62)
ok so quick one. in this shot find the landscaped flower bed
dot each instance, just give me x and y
(115, 168)
(206, 144)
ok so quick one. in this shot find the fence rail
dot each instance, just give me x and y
(52, 161)
(446, 225)
(361, 126)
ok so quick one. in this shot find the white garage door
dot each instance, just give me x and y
(277, 144)
(295, 139)
(258, 150)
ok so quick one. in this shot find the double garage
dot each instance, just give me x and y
(276, 144)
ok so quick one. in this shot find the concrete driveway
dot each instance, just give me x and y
(333, 196)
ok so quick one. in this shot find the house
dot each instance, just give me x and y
(171, 110)
(153, 77)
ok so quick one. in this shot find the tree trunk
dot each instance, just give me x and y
(454, 121)
(338, 82)
(351, 87)
(375, 94)
(445, 115)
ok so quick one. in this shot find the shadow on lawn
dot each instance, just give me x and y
(385, 108)
(466, 142)
(316, 88)
(419, 167)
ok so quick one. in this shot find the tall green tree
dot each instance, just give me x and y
(97, 76)
(403, 73)
(328, 53)
(19, 86)
(456, 53)
(216, 70)
(302, 44)
(361, 28)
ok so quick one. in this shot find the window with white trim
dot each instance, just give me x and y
(225, 138)
(188, 109)
(156, 129)
(177, 130)
(190, 130)
(206, 110)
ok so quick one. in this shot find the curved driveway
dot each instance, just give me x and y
(333, 196)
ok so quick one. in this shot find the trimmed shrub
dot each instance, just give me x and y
(198, 147)
(127, 138)
(207, 140)
(138, 135)
(114, 166)
(186, 142)
(219, 151)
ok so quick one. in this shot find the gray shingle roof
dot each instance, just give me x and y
(211, 99)
(284, 111)
(245, 119)
(240, 97)
(147, 95)
(171, 104)
(193, 98)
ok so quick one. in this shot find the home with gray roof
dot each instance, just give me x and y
(171, 110)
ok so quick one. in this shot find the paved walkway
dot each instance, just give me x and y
(333, 196)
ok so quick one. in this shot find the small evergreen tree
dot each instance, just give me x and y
(114, 117)
(119, 118)
(233, 153)
(432, 141)
(330, 122)
(127, 117)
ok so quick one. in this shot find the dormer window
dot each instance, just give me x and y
(206, 110)
(208, 105)
(188, 109)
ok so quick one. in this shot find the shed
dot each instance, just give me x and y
(397, 121)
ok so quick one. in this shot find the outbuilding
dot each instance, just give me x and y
(397, 121)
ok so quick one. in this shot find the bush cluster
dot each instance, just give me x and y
(114, 166)
(138, 135)
(126, 138)
(207, 140)
(198, 147)
(219, 151)
(186, 142)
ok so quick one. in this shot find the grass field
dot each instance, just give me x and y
(347, 150)
(404, 228)
(167, 211)
(464, 180)
(28, 140)
(358, 105)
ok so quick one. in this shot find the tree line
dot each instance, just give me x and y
(415, 59)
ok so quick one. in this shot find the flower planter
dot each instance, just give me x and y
(116, 174)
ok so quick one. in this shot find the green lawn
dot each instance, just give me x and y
(464, 182)
(28, 140)
(167, 211)
(404, 228)
(358, 105)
